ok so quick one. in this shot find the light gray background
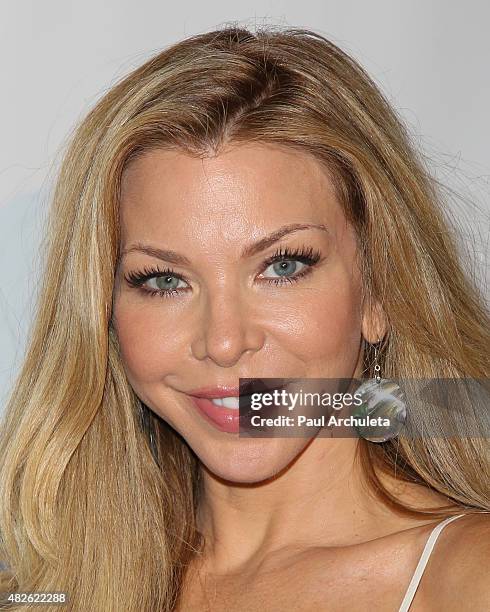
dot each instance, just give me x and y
(58, 57)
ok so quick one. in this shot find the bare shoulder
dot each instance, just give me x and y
(460, 569)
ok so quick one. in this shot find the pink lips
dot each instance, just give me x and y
(216, 391)
(224, 419)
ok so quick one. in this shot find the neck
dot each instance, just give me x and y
(319, 500)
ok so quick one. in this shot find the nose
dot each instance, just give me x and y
(227, 329)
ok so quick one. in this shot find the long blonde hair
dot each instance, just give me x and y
(97, 494)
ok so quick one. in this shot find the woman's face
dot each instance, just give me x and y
(224, 312)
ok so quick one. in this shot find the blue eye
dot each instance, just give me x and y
(166, 281)
(284, 268)
(284, 263)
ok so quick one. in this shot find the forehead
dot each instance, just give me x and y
(243, 188)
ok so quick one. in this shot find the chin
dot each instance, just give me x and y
(247, 460)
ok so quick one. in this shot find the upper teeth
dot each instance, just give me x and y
(227, 402)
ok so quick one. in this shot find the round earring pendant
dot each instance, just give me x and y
(382, 413)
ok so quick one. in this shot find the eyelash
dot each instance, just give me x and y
(305, 255)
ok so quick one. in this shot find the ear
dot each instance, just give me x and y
(374, 322)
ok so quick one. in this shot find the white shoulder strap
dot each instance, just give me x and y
(419, 570)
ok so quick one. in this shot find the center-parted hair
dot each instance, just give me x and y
(98, 495)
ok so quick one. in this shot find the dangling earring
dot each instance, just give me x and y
(382, 413)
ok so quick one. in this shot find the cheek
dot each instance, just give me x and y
(326, 331)
(148, 342)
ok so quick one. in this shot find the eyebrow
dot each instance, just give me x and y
(250, 250)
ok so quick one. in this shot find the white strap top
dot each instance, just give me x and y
(419, 570)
